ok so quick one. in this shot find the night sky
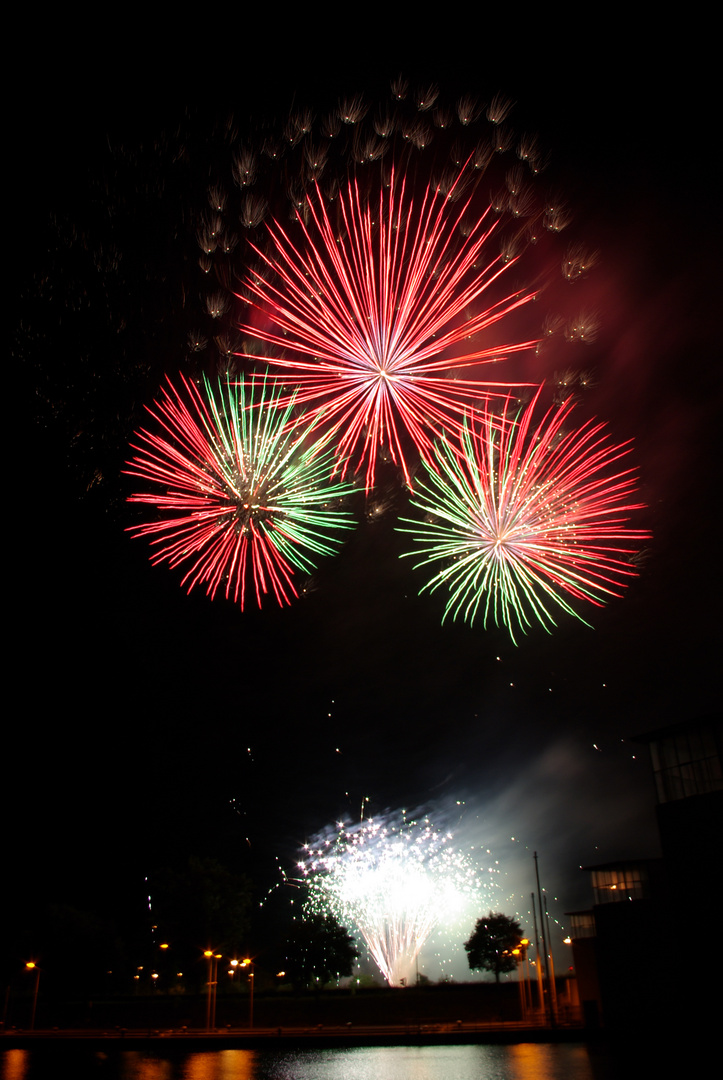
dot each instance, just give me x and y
(150, 724)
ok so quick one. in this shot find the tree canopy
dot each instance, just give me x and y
(490, 948)
(319, 949)
(202, 904)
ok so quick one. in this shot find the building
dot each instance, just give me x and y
(643, 952)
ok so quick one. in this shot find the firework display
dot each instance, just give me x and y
(386, 258)
(394, 881)
(373, 313)
(245, 493)
(269, 342)
(525, 516)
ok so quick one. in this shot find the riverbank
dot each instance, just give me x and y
(314, 1037)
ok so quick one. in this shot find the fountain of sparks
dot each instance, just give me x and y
(394, 880)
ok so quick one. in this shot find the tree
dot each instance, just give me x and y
(319, 949)
(490, 948)
(200, 904)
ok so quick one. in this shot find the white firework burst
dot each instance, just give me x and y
(394, 880)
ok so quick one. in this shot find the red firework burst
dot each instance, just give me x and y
(244, 498)
(370, 312)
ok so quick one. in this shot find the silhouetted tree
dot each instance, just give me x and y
(201, 905)
(318, 949)
(490, 948)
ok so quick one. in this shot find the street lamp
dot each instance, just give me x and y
(250, 963)
(213, 959)
(209, 956)
(32, 966)
(520, 955)
(216, 957)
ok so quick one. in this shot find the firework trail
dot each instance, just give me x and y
(394, 881)
(527, 515)
(375, 309)
(246, 497)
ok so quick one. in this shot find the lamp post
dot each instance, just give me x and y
(553, 984)
(32, 966)
(528, 982)
(250, 963)
(208, 953)
(520, 955)
(216, 958)
(234, 968)
(213, 959)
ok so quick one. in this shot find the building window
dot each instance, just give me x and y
(624, 883)
(582, 925)
(685, 764)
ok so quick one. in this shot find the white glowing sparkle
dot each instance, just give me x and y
(394, 881)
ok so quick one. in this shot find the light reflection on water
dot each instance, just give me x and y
(14, 1064)
(525, 1061)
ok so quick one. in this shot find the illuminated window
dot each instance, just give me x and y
(622, 883)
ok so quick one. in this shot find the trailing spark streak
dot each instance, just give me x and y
(247, 499)
(526, 516)
(395, 882)
(366, 316)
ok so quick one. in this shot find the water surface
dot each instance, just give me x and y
(524, 1061)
